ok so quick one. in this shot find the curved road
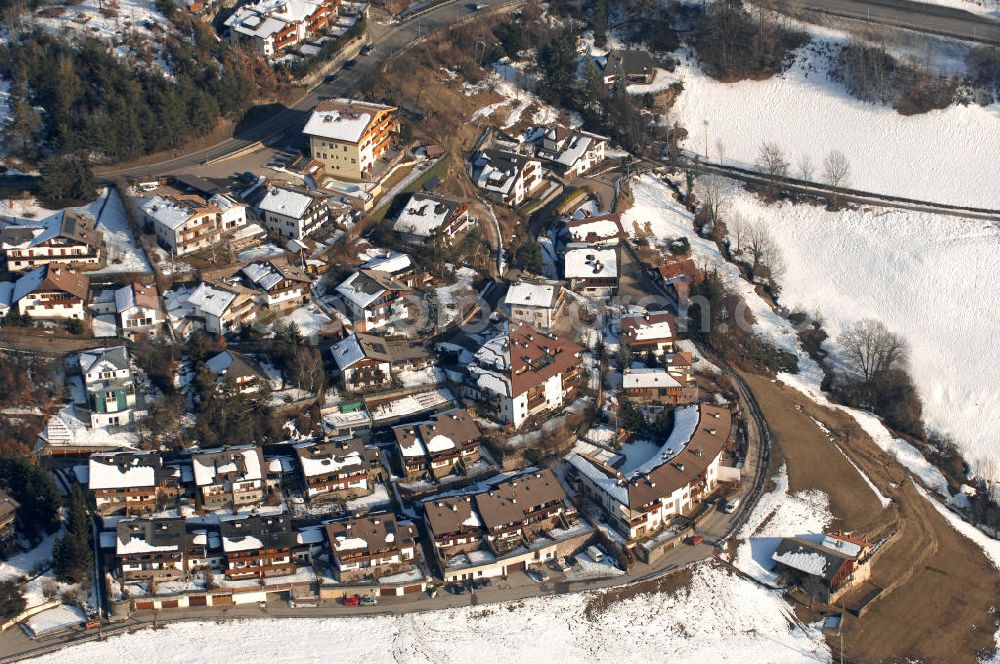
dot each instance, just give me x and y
(388, 41)
(908, 14)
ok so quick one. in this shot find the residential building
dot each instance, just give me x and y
(8, 516)
(680, 474)
(522, 373)
(629, 66)
(367, 362)
(425, 217)
(506, 177)
(215, 308)
(600, 230)
(110, 386)
(570, 152)
(678, 278)
(454, 525)
(371, 547)
(397, 265)
(592, 270)
(515, 511)
(656, 386)
(823, 569)
(184, 224)
(51, 291)
(244, 372)
(131, 482)
(438, 447)
(151, 550)
(338, 469)
(275, 25)
(231, 477)
(534, 303)
(374, 300)
(258, 546)
(67, 237)
(291, 212)
(651, 332)
(281, 286)
(135, 308)
(348, 136)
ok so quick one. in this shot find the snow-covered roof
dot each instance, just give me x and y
(344, 120)
(211, 300)
(286, 202)
(423, 214)
(440, 443)
(211, 463)
(809, 562)
(589, 262)
(121, 471)
(609, 485)
(347, 352)
(313, 466)
(245, 543)
(685, 423)
(648, 378)
(528, 294)
(392, 262)
(364, 287)
(139, 545)
(263, 275)
(166, 212)
(844, 546)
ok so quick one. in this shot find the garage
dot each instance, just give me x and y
(144, 606)
(218, 600)
(169, 604)
(514, 567)
(198, 600)
(409, 590)
(386, 592)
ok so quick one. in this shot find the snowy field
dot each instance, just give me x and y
(927, 277)
(718, 615)
(946, 156)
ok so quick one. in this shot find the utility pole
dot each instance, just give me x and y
(706, 140)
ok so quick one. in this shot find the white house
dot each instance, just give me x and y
(135, 308)
(425, 216)
(110, 386)
(51, 291)
(506, 177)
(214, 308)
(280, 286)
(570, 152)
(374, 299)
(292, 212)
(537, 304)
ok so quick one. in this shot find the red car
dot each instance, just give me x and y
(697, 539)
(353, 600)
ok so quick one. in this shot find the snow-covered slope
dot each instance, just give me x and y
(720, 614)
(946, 156)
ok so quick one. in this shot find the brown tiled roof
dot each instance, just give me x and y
(58, 278)
(380, 532)
(630, 325)
(510, 501)
(684, 268)
(535, 356)
(451, 515)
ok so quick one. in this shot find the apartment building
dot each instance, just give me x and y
(348, 136)
(129, 482)
(438, 447)
(110, 386)
(338, 469)
(371, 547)
(67, 237)
(374, 299)
(292, 212)
(231, 477)
(51, 291)
(258, 546)
(184, 224)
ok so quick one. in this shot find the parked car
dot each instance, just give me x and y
(731, 506)
(90, 624)
(367, 49)
(479, 584)
(349, 64)
(595, 554)
(562, 564)
(331, 77)
(534, 575)
(695, 540)
(456, 589)
(352, 600)
(368, 600)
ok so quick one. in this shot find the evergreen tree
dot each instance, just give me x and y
(73, 554)
(530, 255)
(32, 487)
(67, 181)
(22, 130)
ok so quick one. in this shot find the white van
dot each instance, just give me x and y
(595, 554)
(731, 506)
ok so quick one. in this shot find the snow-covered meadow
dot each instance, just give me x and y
(717, 615)
(946, 156)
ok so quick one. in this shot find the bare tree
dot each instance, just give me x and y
(870, 350)
(805, 166)
(755, 241)
(714, 195)
(771, 160)
(836, 169)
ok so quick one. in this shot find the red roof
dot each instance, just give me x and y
(681, 270)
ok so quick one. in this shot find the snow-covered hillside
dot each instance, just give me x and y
(931, 278)
(720, 614)
(946, 156)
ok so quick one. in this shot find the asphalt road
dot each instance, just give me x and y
(918, 16)
(388, 41)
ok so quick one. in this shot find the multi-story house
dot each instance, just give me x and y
(367, 362)
(151, 550)
(338, 469)
(374, 299)
(258, 546)
(513, 512)
(371, 547)
(651, 332)
(570, 152)
(231, 477)
(427, 217)
(683, 472)
(454, 525)
(522, 373)
(629, 66)
(136, 309)
(291, 212)
(245, 373)
(348, 137)
(656, 386)
(280, 286)
(130, 482)
(51, 291)
(275, 25)
(184, 224)
(506, 177)
(591, 270)
(110, 386)
(67, 237)
(214, 308)
(439, 446)
(535, 303)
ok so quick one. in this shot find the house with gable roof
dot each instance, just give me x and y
(135, 308)
(349, 136)
(338, 469)
(438, 447)
(371, 547)
(281, 286)
(109, 384)
(229, 477)
(67, 237)
(374, 299)
(51, 291)
(425, 216)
